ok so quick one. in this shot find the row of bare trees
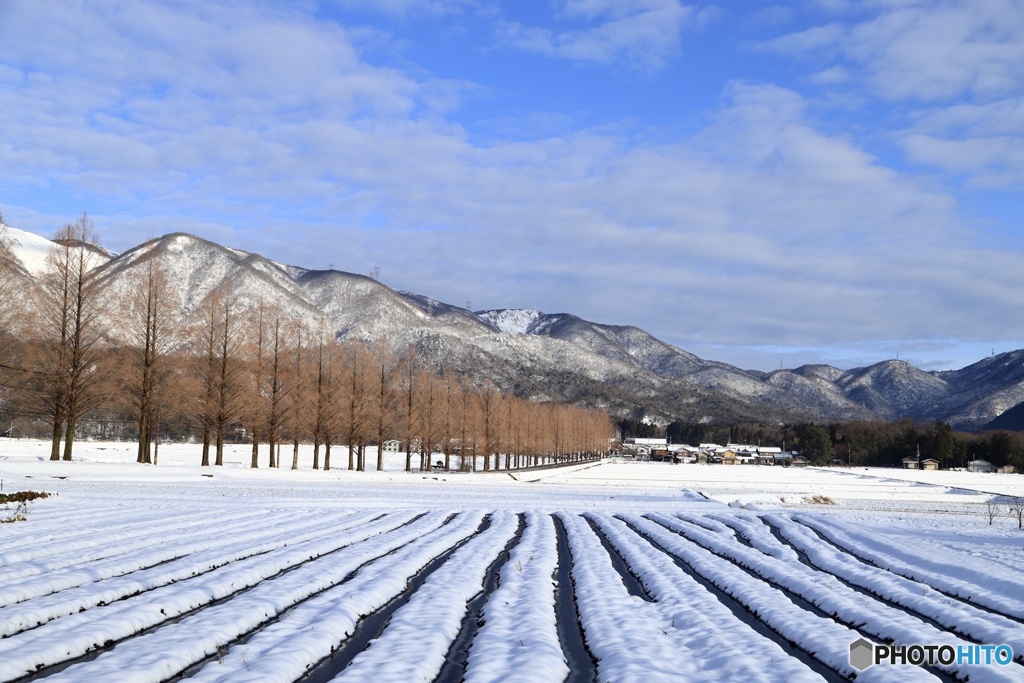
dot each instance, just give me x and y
(80, 341)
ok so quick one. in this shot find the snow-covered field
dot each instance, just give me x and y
(611, 571)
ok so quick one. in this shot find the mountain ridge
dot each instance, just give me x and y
(562, 357)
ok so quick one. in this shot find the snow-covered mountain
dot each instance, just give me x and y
(561, 356)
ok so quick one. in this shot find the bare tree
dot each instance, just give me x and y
(323, 395)
(150, 335)
(991, 509)
(354, 402)
(489, 414)
(255, 357)
(468, 414)
(69, 306)
(298, 376)
(382, 414)
(1017, 510)
(228, 375)
(204, 360)
(409, 373)
(278, 404)
(219, 370)
(450, 415)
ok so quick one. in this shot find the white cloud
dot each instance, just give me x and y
(955, 68)
(211, 120)
(925, 50)
(643, 34)
(407, 8)
(812, 39)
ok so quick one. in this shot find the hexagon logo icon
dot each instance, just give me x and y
(862, 654)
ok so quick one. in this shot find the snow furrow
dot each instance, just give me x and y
(724, 647)
(824, 592)
(201, 558)
(16, 572)
(581, 661)
(126, 561)
(285, 650)
(958, 617)
(55, 523)
(77, 634)
(995, 590)
(405, 651)
(518, 641)
(86, 546)
(757, 535)
(631, 639)
(823, 638)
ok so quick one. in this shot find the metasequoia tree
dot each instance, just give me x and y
(323, 393)
(229, 373)
(68, 306)
(218, 367)
(452, 389)
(278, 406)
(355, 397)
(204, 370)
(150, 328)
(431, 417)
(408, 373)
(254, 354)
(382, 404)
(489, 407)
(298, 377)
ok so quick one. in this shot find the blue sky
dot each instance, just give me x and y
(758, 183)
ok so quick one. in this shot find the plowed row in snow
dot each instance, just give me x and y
(224, 594)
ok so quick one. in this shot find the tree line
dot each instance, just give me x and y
(876, 443)
(78, 350)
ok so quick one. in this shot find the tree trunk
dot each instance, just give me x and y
(55, 443)
(69, 437)
(255, 448)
